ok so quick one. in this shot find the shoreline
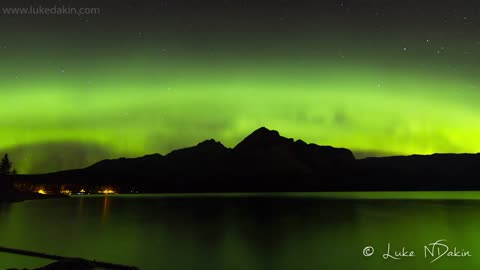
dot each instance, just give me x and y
(20, 196)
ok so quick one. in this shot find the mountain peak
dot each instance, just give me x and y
(211, 144)
(261, 138)
(265, 131)
(206, 147)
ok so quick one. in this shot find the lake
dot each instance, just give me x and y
(349, 230)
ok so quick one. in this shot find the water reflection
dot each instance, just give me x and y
(4, 207)
(155, 232)
(80, 206)
(105, 208)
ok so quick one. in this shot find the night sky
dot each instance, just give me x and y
(378, 77)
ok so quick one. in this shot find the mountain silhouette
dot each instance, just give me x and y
(266, 161)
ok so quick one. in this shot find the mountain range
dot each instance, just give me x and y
(266, 161)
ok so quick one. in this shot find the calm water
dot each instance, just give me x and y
(247, 231)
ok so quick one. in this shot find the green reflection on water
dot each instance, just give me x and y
(246, 231)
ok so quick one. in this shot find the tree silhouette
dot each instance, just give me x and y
(6, 183)
(5, 166)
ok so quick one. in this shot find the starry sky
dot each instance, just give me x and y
(378, 77)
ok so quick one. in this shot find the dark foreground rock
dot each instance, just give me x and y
(79, 264)
(68, 265)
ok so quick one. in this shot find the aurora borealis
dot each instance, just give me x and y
(377, 77)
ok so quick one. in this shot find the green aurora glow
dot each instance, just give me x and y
(67, 104)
